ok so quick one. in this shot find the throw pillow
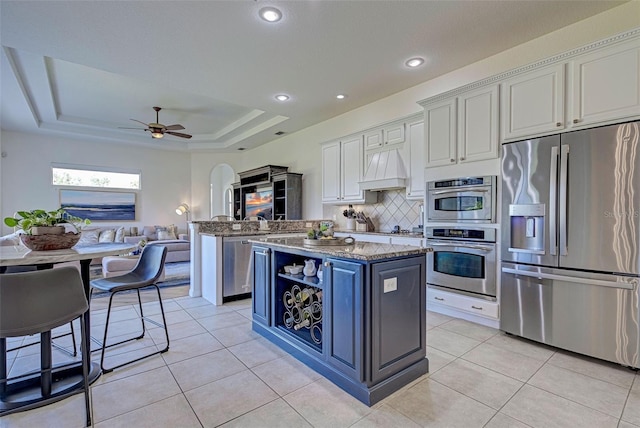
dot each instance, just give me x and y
(120, 234)
(106, 236)
(169, 232)
(150, 233)
(89, 237)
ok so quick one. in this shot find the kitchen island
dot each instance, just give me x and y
(361, 323)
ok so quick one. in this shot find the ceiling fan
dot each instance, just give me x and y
(158, 130)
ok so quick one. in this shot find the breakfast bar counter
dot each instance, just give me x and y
(356, 313)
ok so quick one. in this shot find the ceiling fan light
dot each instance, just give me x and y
(157, 135)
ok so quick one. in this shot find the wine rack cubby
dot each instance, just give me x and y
(299, 310)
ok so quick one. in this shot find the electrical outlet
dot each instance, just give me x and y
(308, 224)
(236, 226)
(390, 284)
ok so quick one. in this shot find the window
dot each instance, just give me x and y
(66, 175)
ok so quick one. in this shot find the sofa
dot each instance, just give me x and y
(178, 245)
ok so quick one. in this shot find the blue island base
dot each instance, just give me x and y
(367, 394)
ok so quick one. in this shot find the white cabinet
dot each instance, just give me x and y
(440, 133)
(463, 128)
(415, 151)
(605, 86)
(342, 169)
(471, 305)
(478, 137)
(393, 133)
(533, 103)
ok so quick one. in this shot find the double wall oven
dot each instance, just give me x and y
(463, 260)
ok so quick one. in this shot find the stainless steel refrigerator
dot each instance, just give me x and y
(570, 257)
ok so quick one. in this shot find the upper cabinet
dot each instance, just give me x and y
(606, 86)
(602, 87)
(386, 136)
(533, 103)
(415, 155)
(462, 128)
(342, 169)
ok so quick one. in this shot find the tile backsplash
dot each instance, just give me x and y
(391, 209)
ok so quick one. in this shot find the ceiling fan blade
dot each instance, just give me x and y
(145, 124)
(124, 127)
(178, 134)
(175, 127)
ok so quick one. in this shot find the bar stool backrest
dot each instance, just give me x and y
(149, 267)
(39, 301)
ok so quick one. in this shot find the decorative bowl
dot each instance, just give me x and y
(50, 242)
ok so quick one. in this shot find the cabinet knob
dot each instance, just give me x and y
(462, 159)
(558, 124)
(453, 160)
(327, 264)
(576, 120)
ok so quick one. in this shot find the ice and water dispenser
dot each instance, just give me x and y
(527, 228)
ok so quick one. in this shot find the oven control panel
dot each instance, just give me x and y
(463, 234)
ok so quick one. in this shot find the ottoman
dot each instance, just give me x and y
(119, 265)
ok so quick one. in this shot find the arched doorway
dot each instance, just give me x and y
(221, 190)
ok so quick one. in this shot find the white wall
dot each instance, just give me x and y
(26, 175)
(301, 151)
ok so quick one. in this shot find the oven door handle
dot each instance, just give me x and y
(471, 247)
(460, 189)
(631, 285)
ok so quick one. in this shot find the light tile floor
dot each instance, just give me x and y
(220, 373)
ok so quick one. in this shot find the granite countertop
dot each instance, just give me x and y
(366, 251)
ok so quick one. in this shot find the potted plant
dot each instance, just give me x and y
(41, 222)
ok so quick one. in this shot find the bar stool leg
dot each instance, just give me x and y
(3, 367)
(45, 363)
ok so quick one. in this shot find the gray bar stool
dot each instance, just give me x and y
(74, 346)
(38, 302)
(144, 274)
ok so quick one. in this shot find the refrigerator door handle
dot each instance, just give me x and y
(564, 163)
(553, 197)
(631, 285)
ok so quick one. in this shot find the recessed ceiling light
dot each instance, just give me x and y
(414, 62)
(341, 96)
(270, 14)
(282, 97)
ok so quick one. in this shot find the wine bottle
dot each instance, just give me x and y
(305, 295)
(309, 314)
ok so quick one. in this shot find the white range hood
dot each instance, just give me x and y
(385, 171)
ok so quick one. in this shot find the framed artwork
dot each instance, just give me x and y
(98, 205)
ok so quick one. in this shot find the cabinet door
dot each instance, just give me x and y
(398, 325)
(478, 124)
(394, 134)
(351, 169)
(606, 86)
(440, 133)
(261, 284)
(373, 139)
(343, 316)
(416, 157)
(533, 103)
(331, 172)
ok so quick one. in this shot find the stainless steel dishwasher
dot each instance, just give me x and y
(236, 253)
